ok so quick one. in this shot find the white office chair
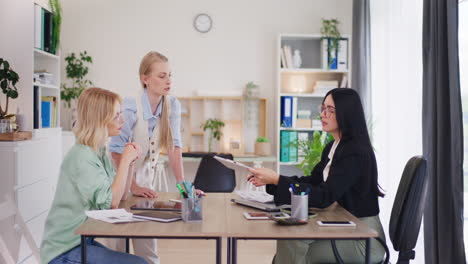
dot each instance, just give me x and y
(8, 209)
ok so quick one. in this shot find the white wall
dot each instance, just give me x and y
(16, 46)
(239, 48)
(396, 96)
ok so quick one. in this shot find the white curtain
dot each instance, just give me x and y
(396, 68)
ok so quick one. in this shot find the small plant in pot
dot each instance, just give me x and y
(8, 81)
(331, 33)
(215, 126)
(262, 146)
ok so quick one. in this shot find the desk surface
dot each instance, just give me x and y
(238, 226)
(222, 218)
(213, 224)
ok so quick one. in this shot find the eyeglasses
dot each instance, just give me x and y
(328, 111)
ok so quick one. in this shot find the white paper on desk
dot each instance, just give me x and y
(256, 196)
(113, 216)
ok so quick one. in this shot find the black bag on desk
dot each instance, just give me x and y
(212, 176)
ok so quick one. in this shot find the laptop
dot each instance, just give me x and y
(268, 207)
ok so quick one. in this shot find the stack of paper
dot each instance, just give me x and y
(113, 216)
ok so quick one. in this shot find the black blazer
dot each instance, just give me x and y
(349, 181)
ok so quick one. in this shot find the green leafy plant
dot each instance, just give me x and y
(262, 139)
(8, 80)
(214, 125)
(76, 71)
(330, 31)
(250, 90)
(56, 9)
(312, 150)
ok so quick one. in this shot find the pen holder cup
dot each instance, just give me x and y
(300, 206)
(192, 209)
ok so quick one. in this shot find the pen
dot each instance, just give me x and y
(292, 188)
(184, 195)
(250, 177)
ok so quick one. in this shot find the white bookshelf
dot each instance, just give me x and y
(300, 83)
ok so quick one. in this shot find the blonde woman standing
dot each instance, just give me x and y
(153, 122)
(88, 181)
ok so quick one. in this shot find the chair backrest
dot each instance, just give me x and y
(8, 209)
(408, 208)
(213, 176)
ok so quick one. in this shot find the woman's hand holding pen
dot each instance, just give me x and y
(262, 176)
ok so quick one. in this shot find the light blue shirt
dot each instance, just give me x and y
(129, 112)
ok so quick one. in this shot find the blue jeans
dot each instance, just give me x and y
(97, 254)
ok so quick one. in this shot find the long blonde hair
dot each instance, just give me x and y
(95, 110)
(165, 135)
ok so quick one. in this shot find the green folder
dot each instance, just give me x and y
(284, 149)
(292, 146)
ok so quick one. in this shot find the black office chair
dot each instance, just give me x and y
(213, 176)
(407, 211)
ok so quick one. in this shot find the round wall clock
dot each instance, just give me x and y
(203, 23)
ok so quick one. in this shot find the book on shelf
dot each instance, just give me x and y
(283, 60)
(344, 81)
(286, 111)
(287, 56)
(284, 149)
(49, 111)
(294, 111)
(342, 55)
(292, 147)
(43, 29)
(36, 108)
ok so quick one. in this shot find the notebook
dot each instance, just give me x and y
(159, 216)
(269, 207)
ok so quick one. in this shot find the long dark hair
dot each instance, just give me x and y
(352, 125)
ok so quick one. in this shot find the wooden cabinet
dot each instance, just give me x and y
(245, 120)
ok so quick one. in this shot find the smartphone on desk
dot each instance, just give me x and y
(336, 223)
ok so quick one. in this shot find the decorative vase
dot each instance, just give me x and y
(262, 148)
(297, 60)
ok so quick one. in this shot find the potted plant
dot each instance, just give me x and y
(215, 126)
(8, 80)
(312, 150)
(76, 71)
(331, 34)
(262, 146)
(251, 99)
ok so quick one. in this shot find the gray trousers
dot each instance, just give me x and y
(320, 251)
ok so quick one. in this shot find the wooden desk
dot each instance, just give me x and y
(240, 228)
(222, 218)
(212, 227)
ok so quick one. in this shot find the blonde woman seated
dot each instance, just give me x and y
(88, 181)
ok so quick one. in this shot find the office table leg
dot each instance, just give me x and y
(229, 258)
(368, 253)
(219, 249)
(127, 245)
(234, 250)
(83, 249)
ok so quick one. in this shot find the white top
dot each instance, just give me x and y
(330, 157)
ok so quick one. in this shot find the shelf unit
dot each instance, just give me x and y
(45, 61)
(233, 111)
(299, 83)
(30, 168)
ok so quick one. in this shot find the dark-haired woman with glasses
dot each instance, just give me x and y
(346, 174)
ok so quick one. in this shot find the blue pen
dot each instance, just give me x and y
(292, 188)
(188, 189)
